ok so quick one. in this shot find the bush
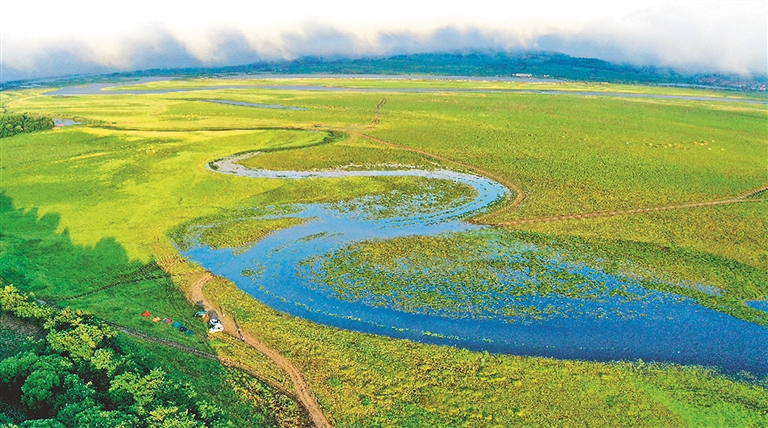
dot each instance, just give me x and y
(78, 375)
(12, 124)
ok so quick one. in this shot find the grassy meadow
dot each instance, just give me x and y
(89, 216)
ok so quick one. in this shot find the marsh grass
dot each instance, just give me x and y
(241, 234)
(27, 244)
(489, 272)
(353, 154)
(729, 232)
(98, 202)
(416, 82)
(366, 380)
(575, 155)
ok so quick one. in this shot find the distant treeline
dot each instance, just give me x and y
(12, 124)
(474, 63)
(482, 64)
(81, 374)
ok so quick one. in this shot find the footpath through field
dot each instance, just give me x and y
(302, 394)
(625, 212)
(743, 198)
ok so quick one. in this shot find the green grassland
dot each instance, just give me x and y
(14, 333)
(736, 232)
(574, 155)
(87, 210)
(352, 154)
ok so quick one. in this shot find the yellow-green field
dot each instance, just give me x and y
(89, 214)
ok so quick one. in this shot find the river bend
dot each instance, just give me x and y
(660, 327)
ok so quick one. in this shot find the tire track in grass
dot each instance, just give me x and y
(753, 192)
(210, 356)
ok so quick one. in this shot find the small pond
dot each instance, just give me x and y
(65, 122)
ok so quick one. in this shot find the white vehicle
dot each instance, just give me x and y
(214, 325)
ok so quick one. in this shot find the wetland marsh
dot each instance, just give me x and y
(469, 286)
(372, 211)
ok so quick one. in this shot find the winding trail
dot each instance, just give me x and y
(520, 194)
(303, 394)
(625, 212)
(207, 355)
(743, 198)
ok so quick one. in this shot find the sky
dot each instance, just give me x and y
(42, 38)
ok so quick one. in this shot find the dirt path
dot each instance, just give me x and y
(743, 198)
(753, 192)
(623, 212)
(737, 200)
(303, 393)
(190, 350)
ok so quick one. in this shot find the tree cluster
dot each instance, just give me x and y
(80, 375)
(12, 124)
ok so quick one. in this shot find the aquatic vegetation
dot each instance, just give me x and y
(242, 233)
(373, 380)
(238, 228)
(573, 310)
(136, 173)
(520, 275)
(413, 199)
(471, 274)
(351, 154)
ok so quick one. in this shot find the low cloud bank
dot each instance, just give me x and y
(716, 40)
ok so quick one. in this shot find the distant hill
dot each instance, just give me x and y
(496, 64)
(537, 64)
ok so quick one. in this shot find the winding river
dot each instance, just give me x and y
(654, 326)
(282, 271)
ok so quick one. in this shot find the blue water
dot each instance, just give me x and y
(65, 122)
(99, 89)
(648, 325)
(758, 304)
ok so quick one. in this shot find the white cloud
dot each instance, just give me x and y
(726, 36)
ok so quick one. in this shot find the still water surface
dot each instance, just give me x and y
(99, 89)
(655, 326)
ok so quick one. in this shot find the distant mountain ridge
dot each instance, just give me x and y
(481, 64)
